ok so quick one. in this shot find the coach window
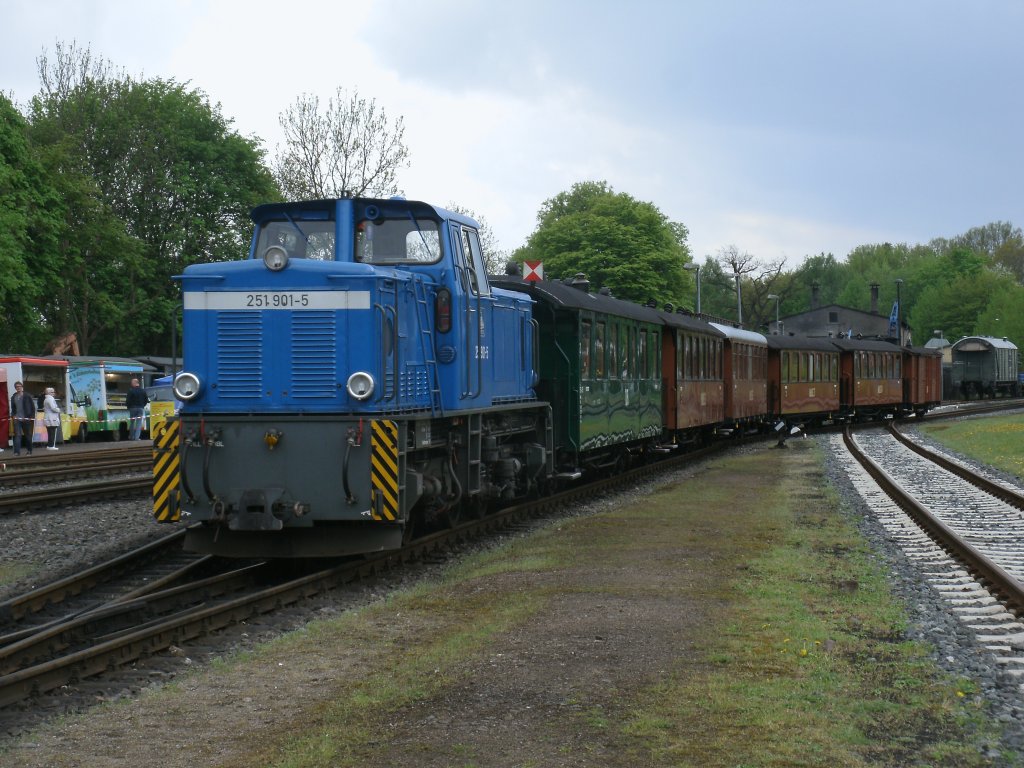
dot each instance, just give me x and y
(585, 342)
(835, 368)
(599, 353)
(899, 368)
(612, 356)
(641, 355)
(679, 355)
(625, 350)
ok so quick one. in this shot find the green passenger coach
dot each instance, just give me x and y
(600, 367)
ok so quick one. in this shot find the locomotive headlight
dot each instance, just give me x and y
(186, 386)
(360, 385)
(276, 258)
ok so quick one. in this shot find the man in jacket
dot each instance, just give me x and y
(23, 413)
(136, 401)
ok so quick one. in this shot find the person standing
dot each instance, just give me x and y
(136, 400)
(23, 413)
(51, 418)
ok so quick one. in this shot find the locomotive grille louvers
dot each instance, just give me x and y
(314, 354)
(239, 354)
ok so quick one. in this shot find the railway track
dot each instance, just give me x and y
(118, 633)
(965, 532)
(52, 480)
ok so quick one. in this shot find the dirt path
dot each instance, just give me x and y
(534, 656)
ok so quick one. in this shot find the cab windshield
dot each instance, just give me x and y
(302, 239)
(398, 241)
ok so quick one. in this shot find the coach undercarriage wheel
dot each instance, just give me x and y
(83, 433)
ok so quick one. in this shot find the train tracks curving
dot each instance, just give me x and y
(965, 531)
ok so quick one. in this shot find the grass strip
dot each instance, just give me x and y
(807, 666)
(994, 440)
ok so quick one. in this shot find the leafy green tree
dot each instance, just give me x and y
(1002, 316)
(822, 270)
(953, 307)
(617, 241)
(29, 223)
(163, 161)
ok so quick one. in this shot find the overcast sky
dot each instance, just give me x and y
(785, 129)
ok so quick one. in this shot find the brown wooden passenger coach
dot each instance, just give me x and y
(803, 378)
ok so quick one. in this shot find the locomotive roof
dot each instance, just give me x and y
(813, 343)
(980, 343)
(327, 208)
(560, 294)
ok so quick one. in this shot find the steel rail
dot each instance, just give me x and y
(29, 501)
(35, 600)
(989, 574)
(1010, 496)
(35, 474)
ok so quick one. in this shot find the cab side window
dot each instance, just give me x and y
(475, 263)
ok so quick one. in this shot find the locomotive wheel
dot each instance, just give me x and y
(452, 516)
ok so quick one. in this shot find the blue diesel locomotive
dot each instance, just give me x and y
(355, 378)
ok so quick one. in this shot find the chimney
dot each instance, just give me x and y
(815, 299)
(874, 298)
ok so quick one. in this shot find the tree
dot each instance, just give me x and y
(29, 223)
(757, 279)
(954, 306)
(1002, 315)
(617, 241)
(160, 182)
(352, 148)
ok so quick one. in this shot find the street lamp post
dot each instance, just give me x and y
(691, 267)
(739, 300)
(899, 313)
(778, 330)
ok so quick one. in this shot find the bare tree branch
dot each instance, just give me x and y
(350, 148)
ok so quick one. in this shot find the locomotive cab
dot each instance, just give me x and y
(344, 380)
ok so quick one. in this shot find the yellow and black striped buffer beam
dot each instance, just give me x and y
(166, 470)
(384, 471)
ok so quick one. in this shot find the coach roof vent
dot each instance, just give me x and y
(580, 282)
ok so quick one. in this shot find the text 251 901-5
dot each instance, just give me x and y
(257, 300)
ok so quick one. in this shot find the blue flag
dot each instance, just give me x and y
(893, 332)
